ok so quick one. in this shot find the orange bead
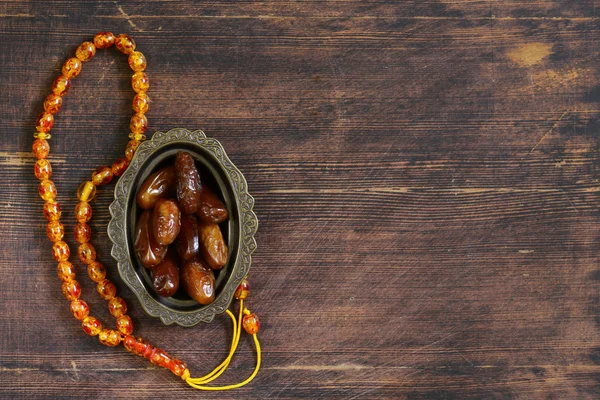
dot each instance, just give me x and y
(102, 176)
(251, 324)
(109, 337)
(117, 307)
(52, 210)
(160, 357)
(103, 40)
(71, 290)
(79, 309)
(83, 233)
(71, 68)
(55, 231)
(86, 253)
(42, 169)
(136, 345)
(120, 166)
(65, 271)
(125, 324)
(106, 289)
(47, 190)
(60, 251)
(40, 148)
(44, 122)
(61, 86)
(85, 51)
(83, 212)
(52, 103)
(96, 271)
(130, 149)
(137, 61)
(91, 326)
(177, 367)
(86, 191)
(243, 290)
(140, 82)
(141, 103)
(138, 123)
(125, 43)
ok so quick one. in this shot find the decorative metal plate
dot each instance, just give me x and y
(238, 231)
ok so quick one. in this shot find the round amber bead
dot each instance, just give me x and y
(106, 289)
(83, 233)
(160, 357)
(102, 176)
(71, 68)
(40, 148)
(177, 367)
(91, 326)
(125, 43)
(52, 103)
(71, 290)
(61, 86)
(120, 166)
(79, 309)
(87, 253)
(83, 212)
(60, 251)
(55, 231)
(86, 191)
(109, 337)
(125, 324)
(52, 210)
(141, 103)
(251, 324)
(42, 169)
(243, 290)
(140, 82)
(41, 135)
(65, 271)
(85, 51)
(117, 307)
(143, 348)
(129, 343)
(138, 123)
(44, 122)
(96, 271)
(130, 149)
(47, 190)
(103, 40)
(137, 61)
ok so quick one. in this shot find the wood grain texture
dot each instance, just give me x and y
(426, 176)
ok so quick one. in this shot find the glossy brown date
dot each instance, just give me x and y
(212, 245)
(211, 210)
(157, 185)
(165, 276)
(189, 187)
(146, 247)
(166, 221)
(198, 280)
(187, 243)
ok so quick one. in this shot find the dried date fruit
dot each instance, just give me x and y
(188, 242)
(165, 276)
(147, 249)
(189, 187)
(166, 221)
(156, 186)
(198, 280)
(212, 245)
(211, 210)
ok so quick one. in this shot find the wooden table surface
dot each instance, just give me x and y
(426, 176)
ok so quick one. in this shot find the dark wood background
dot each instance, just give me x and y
(426, 176)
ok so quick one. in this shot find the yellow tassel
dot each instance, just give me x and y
(199, 383)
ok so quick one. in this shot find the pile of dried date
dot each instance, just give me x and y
(179, 240)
